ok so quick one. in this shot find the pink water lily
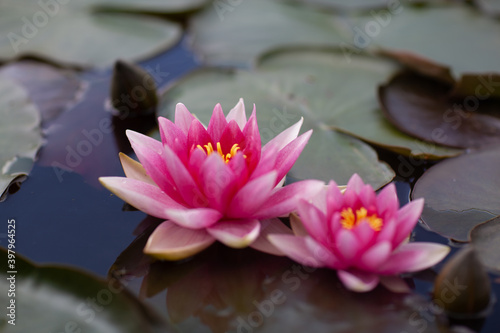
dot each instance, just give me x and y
(362, 235)
(214, 183)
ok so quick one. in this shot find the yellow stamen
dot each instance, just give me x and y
(209, 149)
(349, 220)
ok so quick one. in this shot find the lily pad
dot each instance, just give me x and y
(20, 134)
(490, 7)
(420, 106)
(336, 156)
(448, 35)
(60, 299)
(485, 238)
(167, 7)
(347, 5)
(460, 193)
(75, 34)
(52, 90)
(234, 33)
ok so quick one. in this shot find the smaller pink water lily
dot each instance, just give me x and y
(214, 183)
(362, 235)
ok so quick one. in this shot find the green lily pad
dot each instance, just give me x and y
(60, 299)
(347, 5)
(336, 156)
(461, 193)
(420, 106)
(490, 7)
(234, 33)
(77, 35)
(168, 7)
(485, 238)
(20, 134)
(52, 90)
(461, 32)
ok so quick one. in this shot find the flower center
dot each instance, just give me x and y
(350, 220)
(209, 149)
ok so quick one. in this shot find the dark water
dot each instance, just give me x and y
(68, 218)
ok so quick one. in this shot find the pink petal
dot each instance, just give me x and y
(145, 197)
(285, 137)
(198, 135)
(171, 242)
(183, 180)
(295, 248)
(313, 220)
(297, 225)
(231, 135)
(183, 118)
(394, 284)
(324, 255)
(358, 281)
(252, 196)
(355, 183)
(284, 200)
(368, 199)
(364, 233)
(334, 198)
(135, 170)
(407, 219)
(236, 233)
(217, 181)
(217, 124)
(193, 218)
(412, 257)
(238, 114)
(289, 154)
(253, 143)
(239, 166)
(387, 201)
(347, 245)
(375, 256)
(173, 136)
(268, 227)
(266, 163)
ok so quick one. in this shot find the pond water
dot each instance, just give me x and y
(69, 218)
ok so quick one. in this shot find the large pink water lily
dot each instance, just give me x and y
(215, 183)
(362, 235)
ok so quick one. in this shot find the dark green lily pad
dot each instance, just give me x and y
(234, 33)
(75, 34)
(489, 7)
(447, 35)
(60, 299)
(20, 133)
(461, 193)
(166, 7)
(280, 103)
(421, 107)
(347, 5)
(486, 238)
(52, 90)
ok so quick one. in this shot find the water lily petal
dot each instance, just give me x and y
(288, 155)
(355, 183)
(284, 199)
(334, 198)
(297, 225)
(324, 255)
(198, 135)
(146, 197)
(347, 245)
(217, 124)
(236, 233)
(295, 248)
(231, 135)
(358, 281)
(183, 117)
(135, 170)
(253, 143)
(387, 201)
(375, 256)
(412, 257)
(217, 182)
(238, 114)
(269, 227)
(252, 196)
(171, 242)
(173, 136)
(394, 284)
(193, 218)
(285, 137)
(407, 219)
(313, 220)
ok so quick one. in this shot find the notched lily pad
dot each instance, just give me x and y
(20, 133)
(52, 90)
(60, 299)
(74, 34)
(486, 238)
(421, 106)
(460, 193)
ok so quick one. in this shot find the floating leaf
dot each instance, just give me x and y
(460, 193)
(60, 299)
(283, 95)
(490, 7)
(420, 107)
(52, 90)
(486, 238)
(20, 134)
(233, 33)
(448, 35)
(168, 7)
(73, 33)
